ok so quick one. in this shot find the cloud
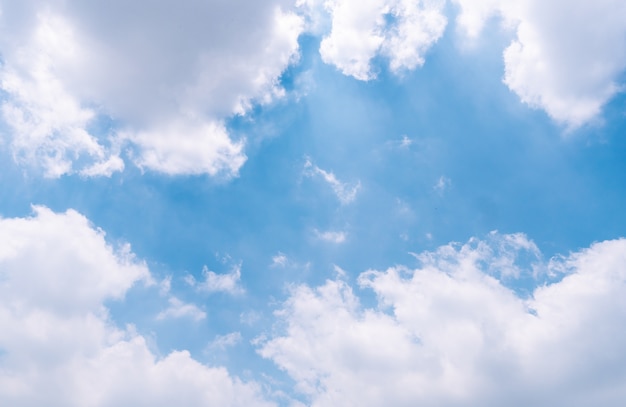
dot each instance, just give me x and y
(168, 76)
(450, 332)
(213, 282)
(279, 260)
(561, 59)
(442, 184)
(222, 342)
(179, 309)
(345, 193)
(331, 236)
(59, 344)
(399, 30)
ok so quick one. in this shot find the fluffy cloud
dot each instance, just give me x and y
(58, 345)
(167, 74)
(562, 59)
(451, 332)
(400, 30)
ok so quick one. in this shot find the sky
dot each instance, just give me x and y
(312, 203)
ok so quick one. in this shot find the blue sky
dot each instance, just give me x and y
(312, 203)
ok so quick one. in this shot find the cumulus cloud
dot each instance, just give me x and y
(59, 344)
(168, 75)
(345, 192)
(399, 30)
(561, 60)
(450, 332)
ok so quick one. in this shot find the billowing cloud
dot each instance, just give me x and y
(168, 75)
(59, 346)
(450, 332)
(401, 31)
(562, 59)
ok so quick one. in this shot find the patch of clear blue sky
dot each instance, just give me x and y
(510, 168)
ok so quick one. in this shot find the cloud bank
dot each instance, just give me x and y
(58, 345)
(167, 75)
(450, 332)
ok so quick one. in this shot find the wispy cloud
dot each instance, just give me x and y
(331, 236)
(179, 309)
(222, 342)
(213, 282)
(442, 184)
(279, 260)
(345, 192)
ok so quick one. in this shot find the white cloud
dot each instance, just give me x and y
(169, 75)
(400, 30)
(345, 193)
(222, 342)
(179, 309)
(562, 59)
(279, 260)
(331, 236)
(406, 141)
(59, 345)
(227, 283)
(49, 125)
(451, 333)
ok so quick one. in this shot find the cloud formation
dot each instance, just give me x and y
(399, 30)
(561, 60)
(167, 75)
(451, 332)
(59, 346)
